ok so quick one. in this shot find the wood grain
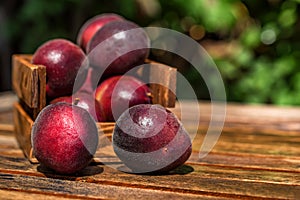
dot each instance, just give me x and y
(29, 82)
(86, 190)
(7, 100)
(23, 125)
(163, 84)
(256, 157)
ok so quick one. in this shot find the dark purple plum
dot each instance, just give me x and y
(91, 26)
(64, 138)
(117, 93)
(118, 47)
(150, 139)
(63, 60)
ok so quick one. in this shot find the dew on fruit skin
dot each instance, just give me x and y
(120, 35)
(125, 94)
(55, 56)
(83, 105)
(145, 122)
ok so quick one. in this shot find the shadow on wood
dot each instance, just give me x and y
(88, 171)
(181, 170)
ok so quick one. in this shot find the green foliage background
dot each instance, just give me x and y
(255, 44)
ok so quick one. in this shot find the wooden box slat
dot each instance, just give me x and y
(23, 124)
(163, 84)
(29, 82)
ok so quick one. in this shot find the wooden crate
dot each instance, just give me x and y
(29, 83)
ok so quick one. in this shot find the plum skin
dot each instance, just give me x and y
(123, 46)
(117, 93)
(64, 138)
(63, 60)
(150, 139)
(90, 27)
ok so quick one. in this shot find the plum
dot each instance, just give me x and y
(85, 98)
(64, 138)
(63, 60)
(118, 47)
(150, 139)
(117, 93)
(90, 27)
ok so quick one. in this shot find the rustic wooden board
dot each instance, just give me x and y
(89, 190)
(246, 163)
(23, 124)
(14, 194)
(7, 100)
(163, 84)
(245, 142)
(229, 180)
(29, 82)
(193, 179)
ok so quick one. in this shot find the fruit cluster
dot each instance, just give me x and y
(87, 82)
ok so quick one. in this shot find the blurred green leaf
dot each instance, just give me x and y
(243, 57)
(283, 66)
(251, 36)
(283, 48)
(227, 69)
(287, 17)
(296, 81)
(221, 15)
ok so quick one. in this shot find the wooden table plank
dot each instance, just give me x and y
(249, 161)
(256, 157)
(254, 143)
(280, 119)
(6, 101)
(18, 194)
(202, 178)
(91, 189)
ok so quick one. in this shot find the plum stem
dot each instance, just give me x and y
(149, 94)
(76, 101)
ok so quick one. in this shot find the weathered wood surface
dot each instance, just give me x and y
(163, 84)
(22, 129)
(256, 157)
(29, 82)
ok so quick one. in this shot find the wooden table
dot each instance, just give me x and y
(256, 157)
